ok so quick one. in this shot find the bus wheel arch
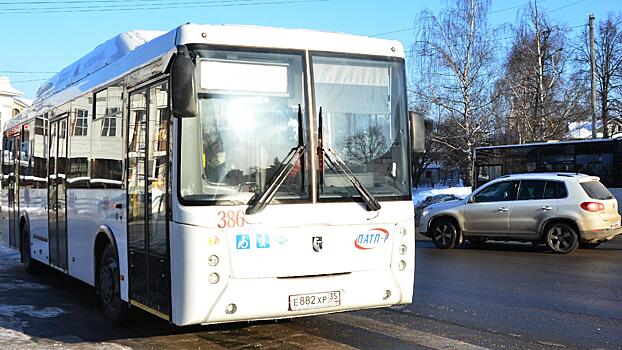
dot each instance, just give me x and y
(107, 281)
(103, 238)
(32, 265)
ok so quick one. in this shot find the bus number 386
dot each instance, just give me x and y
(230, 219)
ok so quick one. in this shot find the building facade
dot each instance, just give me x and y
(11, 102)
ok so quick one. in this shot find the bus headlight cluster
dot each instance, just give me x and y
(403, 248)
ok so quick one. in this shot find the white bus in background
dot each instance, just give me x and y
(220, 173)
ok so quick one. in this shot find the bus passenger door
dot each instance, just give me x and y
(147, 199)
(11, 164)
(57, 219)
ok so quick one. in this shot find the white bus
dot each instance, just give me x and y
(220, 173)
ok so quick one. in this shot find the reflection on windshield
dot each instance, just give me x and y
(364, 122)
(246, 128)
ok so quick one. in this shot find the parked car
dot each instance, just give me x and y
(429, 200)
(562, 210)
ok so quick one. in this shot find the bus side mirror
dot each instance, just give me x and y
(183, 88)
(417, 132)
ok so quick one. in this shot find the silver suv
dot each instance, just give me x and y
(563, 211)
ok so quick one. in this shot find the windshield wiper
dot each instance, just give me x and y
(339, 165)
(261, 199)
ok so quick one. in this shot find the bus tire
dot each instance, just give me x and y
(30, 264)
(108, 287)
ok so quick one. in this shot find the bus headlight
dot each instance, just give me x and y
(403, 249)
(403, 231)
(212, 260)
(387, 295)
(213, 278)
(401, 265)
(231, 308)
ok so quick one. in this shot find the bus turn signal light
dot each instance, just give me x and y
(592, 206)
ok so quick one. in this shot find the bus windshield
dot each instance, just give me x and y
(252, 116)
(250, 106)
(363, 124)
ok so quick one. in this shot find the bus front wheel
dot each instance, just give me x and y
(108, 288)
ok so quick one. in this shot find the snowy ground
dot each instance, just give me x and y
(16, 316)
(420, 194)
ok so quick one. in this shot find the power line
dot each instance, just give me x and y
(134, 7)
(108, 5)
(566, 6)
(491, 12)
(26, 81)
(25, 72)
(75, 2)
(493, 39)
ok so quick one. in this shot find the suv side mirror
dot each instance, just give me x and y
(417, 132)
(183, 90)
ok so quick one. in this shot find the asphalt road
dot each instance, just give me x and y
(496, 296)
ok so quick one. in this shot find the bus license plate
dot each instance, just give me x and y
(314, 301)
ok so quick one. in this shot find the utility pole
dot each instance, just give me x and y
(593, 64)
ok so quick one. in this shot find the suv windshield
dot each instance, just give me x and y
(363, 124)
(250, 105)
(596, 190)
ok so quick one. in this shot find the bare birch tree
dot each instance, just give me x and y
(453, 57)
(541, 96)
(608, 52)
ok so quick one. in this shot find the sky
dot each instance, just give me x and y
(44, 43)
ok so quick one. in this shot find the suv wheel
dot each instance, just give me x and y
(444, 234)
(561, 238)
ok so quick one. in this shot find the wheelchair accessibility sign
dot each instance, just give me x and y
(242, 241)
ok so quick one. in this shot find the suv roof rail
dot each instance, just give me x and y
(565, 175)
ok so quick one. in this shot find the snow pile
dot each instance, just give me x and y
(18, 284)
(420, 194)
(9, 258)
(30, 310)
(583, 130)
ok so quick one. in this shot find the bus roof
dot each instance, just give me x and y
(553, 143)
(131, 50)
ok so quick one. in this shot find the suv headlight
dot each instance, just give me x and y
(425, 212)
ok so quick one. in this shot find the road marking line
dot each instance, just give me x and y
(403, 333)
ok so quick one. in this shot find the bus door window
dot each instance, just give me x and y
(147, 200)
(136, 196)
(157, 202)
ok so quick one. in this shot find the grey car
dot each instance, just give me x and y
(562, 210)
